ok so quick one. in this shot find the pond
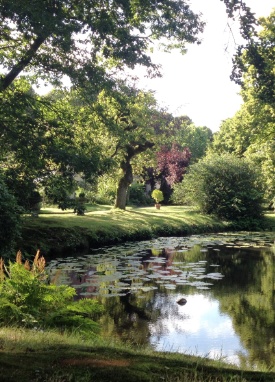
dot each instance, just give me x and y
(205, 295)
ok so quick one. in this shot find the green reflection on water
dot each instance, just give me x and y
(237, 270)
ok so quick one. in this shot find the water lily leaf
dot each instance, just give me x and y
(170, 286)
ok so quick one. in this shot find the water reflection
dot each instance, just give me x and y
(199, 328)
(227, 280)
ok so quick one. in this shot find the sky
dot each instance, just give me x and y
(198, 83)
(202, 330)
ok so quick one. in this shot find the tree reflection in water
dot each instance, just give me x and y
(227, 280)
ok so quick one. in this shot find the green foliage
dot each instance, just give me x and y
(255, 62)
(157, 195)
(9, 221)
(28, 300)
(37, 39)
(225, 186)
(59, 188)
(137, 195)
(106, 189)
(178, 196)
(250, 133)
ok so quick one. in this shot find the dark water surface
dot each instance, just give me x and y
(226, 279)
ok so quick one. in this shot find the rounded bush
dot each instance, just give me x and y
(157, 195)
(226, 186)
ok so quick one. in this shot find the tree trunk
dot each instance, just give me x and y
(123, 185)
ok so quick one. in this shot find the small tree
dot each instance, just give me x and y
(225, 186)
(157, 195)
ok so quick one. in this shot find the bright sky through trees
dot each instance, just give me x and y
(198, 84)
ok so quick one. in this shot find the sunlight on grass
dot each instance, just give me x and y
(115, 223)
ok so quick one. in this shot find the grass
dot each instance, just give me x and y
(32, 355)
(58, 231)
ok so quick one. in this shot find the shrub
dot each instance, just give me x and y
(225, 186)
(27, 299)
(137, 195)
(178, 196)
(9, 221)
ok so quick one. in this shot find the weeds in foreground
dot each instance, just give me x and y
(28, 299)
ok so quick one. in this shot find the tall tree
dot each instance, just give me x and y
(254, 63)
(81, 39)
(251, 131)
(130, 127)
(121, 124)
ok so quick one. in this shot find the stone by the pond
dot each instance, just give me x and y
(182, 301)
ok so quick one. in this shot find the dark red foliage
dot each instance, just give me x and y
(172, 163)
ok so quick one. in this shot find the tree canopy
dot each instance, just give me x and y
(251, 131)
(254, 62)
(84, 39)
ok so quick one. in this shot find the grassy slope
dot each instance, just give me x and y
(55, 230)
(27, 356)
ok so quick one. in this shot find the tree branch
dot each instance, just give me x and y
(6, 81)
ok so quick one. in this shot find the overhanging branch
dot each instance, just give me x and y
(6, 81)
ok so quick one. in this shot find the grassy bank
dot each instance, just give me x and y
(36, 356)
(56, 231)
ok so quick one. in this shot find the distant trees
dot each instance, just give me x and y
(49, 139)
(172, 163)
(185, 143)
(171, 167)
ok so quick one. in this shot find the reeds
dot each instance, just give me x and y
(37, 268)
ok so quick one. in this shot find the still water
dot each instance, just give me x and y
(205, 295)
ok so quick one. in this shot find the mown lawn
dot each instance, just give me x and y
(56, 231)
(59, 232)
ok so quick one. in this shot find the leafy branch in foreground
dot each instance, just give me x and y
(28, 299)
